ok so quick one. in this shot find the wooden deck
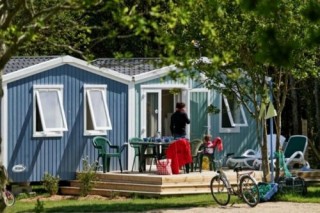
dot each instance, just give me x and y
(151, 184)
(312, 177)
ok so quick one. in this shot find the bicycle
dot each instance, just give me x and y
(246, 187)
(7, 197)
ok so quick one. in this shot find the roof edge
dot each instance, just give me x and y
(50, 64)
(154, 73)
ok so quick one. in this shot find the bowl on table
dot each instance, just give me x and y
(145, 139)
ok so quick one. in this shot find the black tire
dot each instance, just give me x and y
(219, 190)
(249, 190)
(8, 198)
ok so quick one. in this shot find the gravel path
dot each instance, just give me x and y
(272, 207)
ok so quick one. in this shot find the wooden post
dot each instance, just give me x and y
(304, 130)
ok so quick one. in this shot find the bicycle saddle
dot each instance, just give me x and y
(237, 169)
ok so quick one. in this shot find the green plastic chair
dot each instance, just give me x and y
(106, 151)
(195, 148)
(210, 157)
(295, 150)
(151, 155)
(136, 150)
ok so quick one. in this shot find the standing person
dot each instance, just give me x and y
(179, 121)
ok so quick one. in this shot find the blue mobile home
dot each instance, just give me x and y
(48, 115)
(154, 95)
(49, 112)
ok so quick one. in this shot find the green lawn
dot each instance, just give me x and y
(142, 204)
(112, 205)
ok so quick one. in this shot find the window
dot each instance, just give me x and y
(49, 117)
(232, 115)
(96, 112)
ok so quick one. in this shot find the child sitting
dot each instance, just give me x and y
(209, 145)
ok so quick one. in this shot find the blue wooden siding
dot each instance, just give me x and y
(234, 142)
(198, 114)
(60, 155)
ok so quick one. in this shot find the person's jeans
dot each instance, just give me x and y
(177, 136)
(187, 167)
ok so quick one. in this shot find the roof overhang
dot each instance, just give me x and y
(157, 73)
(44, 66)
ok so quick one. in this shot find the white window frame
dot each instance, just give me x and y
(154, 88)
(102, 130)
(144, 93)
(47, 132)
(235, 127)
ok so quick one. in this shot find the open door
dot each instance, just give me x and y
(151, 112)
(157, 107)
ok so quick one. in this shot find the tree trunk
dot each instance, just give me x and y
(264, 151)
(317, 116)
(294, 107)
(280, 96)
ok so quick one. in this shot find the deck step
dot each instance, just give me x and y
(68, 190)
(155, 179)
(146, 187)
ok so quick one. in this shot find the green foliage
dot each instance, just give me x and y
(87, 176)
(312, 11)
(245, 41)
(3, 176)
(56, 40)
(175, 91)
(51, 183)
(213, 109)
(49, 23)
(39, 206)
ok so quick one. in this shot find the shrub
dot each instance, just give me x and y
(51, 183)
(39, 206)
(3, 176)
(87, 176)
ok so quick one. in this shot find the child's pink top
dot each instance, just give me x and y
(216, 143)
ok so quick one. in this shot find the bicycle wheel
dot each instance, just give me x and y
(249, 190)
(219, 190)
(8, 198)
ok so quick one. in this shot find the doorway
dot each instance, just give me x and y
(157, 108)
